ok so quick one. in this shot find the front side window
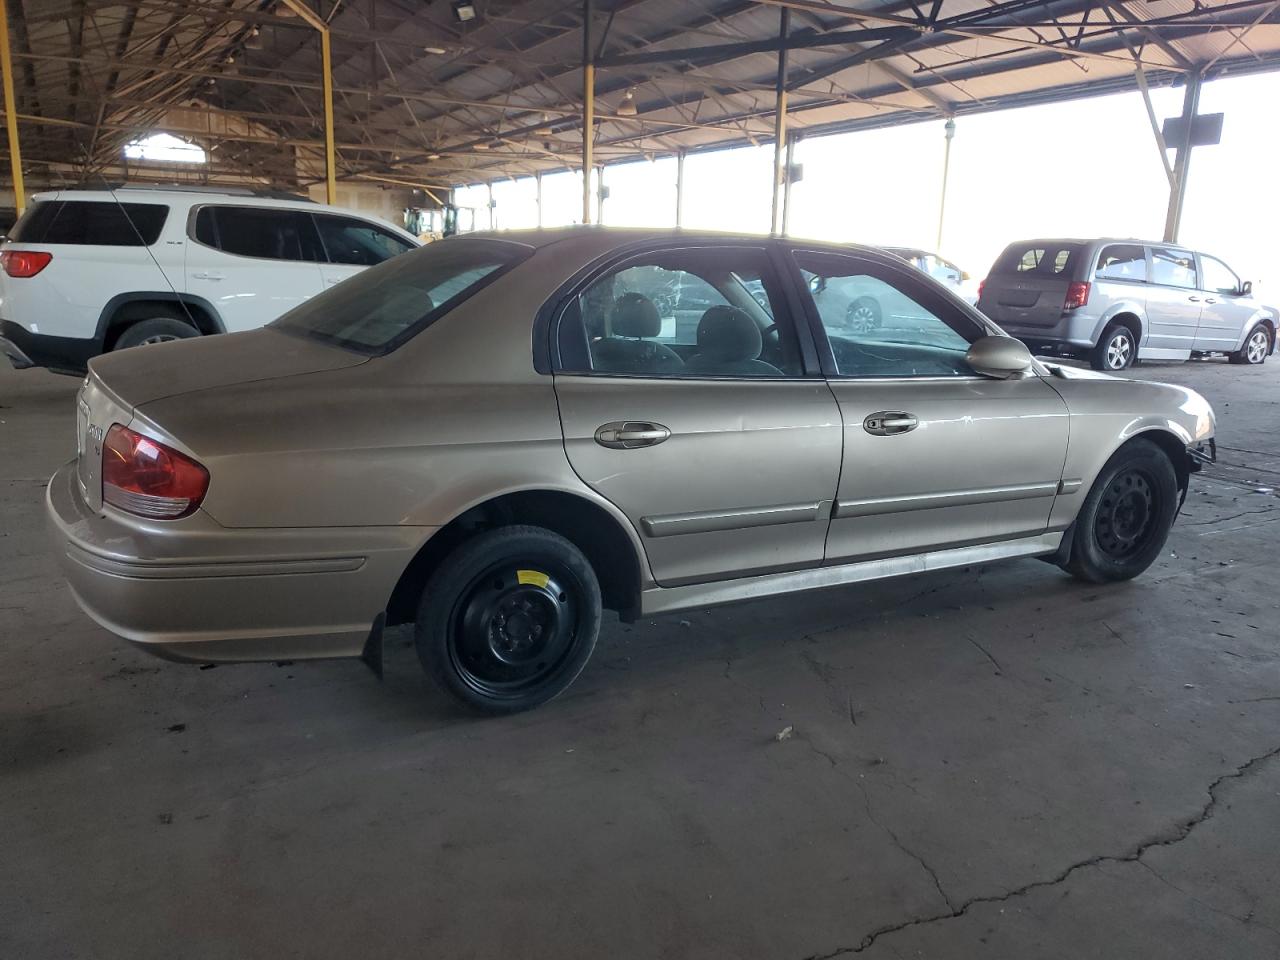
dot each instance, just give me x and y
(1173, 268)
(1122, 261)
(1218, 276)
(693, 312)
(357, 242)
(260, 232)
(91, 222)
(380, 308)
(941, 270)
(882, 324)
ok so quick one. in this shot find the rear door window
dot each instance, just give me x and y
(1122, 261)
(260, 232)
(1173, 268)
(1039, 259)
(358, 242)
(91, 223)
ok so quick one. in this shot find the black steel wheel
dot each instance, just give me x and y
(509, 619)
(1124, 521)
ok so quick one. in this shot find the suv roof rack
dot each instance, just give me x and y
(265, 193)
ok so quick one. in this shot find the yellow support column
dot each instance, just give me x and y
(588, 108)
(11, 111)
(326, 64)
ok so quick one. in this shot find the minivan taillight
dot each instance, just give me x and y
(981, 285)
(1077, 295)
(24, 263)
(144, 477)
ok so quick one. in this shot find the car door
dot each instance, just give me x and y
(1224, 310)
(1173, 300)
(352, 244)
(715, 437)
(252, 263)
(934, 456)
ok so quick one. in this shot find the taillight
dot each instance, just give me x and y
(144, 477)
(24, 263)
(981, 285)
(1077, 295)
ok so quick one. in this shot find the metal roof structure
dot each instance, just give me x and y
(422, 96)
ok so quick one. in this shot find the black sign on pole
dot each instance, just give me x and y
(1206, 130)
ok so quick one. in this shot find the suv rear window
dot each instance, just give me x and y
(91, 222)
(382, 307)
(1039, 259)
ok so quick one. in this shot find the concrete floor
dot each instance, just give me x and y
(997, 762)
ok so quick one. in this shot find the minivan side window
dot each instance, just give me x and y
(1122, 261)
(1218, 276)
(91, 223)
(260, 232)
(1173, 268)
(357, 242)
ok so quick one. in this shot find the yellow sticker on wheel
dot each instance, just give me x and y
(532, 578)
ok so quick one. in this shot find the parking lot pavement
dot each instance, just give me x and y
(996, 762)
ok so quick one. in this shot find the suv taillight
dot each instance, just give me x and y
(24, 263)
(144, 477)
(1077, 295)
(981, 286)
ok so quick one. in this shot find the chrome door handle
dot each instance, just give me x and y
(208, 275)
(1194, 299)
(887, 423)
(1210, 300)
(630, 434)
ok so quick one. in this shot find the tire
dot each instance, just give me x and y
(1256, 347)
(155, 330)
(863, 315)
(496, 607)
(1117, 350)
(1125, 519)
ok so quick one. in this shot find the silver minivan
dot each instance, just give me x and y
(1117, 301)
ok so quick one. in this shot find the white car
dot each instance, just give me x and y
(84, 272)
(944, 271)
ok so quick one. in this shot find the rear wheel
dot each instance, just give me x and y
(863, 315)
(509, 619)
(1256, 347)
(1116, 350)
(1125, 519)
(155, 330)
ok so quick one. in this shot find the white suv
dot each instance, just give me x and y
(87, 271)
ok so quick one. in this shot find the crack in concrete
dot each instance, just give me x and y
(1234, 516)
(1175, 836)
(1246, 919)
(897, 842)
(986, 653)
(1254, 699)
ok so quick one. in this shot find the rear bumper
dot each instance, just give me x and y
(214, 594)
(1074, 334)
(61, 354)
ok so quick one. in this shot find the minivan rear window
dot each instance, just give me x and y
(91, 222)
(382, 307)
(1038, 259)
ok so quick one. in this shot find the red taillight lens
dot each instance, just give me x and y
(24, 263)
(1077, 295)
(146, 478)
(981, 286)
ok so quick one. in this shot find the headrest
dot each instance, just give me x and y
(634, 315)
(727, 334)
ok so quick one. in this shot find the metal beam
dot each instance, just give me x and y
(588, 107)
(11, 111)
(1182, 160)
(326, 69)
(780, 122)
(720, 52)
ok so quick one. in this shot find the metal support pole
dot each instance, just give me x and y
(11, 112)
(1182, 160)
(600, 194)
(326, 68)
(588, 107)
(950, 129)
(538, 180)
(490, 204)
(780, 123)
(679, 188)
(786, 184)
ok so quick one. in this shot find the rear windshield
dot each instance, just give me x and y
(382, 307)
(96, 222)
(1040, 258)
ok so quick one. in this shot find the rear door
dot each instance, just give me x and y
(252, 263)
(352, 244)
(714, 437)
(1223, 312)
(934, 455)
(1027, 286)
(1173, 300)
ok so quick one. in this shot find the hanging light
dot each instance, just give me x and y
(464, 11)
(627, 108)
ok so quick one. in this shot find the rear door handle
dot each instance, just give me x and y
(1194, 299)
(888, 423)
(1210, 300)
(209, 275)
(631, 434)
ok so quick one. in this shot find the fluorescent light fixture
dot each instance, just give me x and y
(627, 108)
(436, 51)
(464, 11)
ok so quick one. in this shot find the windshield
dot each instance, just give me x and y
(382, 307)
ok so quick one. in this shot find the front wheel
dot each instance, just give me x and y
(1125, 519)
(1116, 350)
(863, 315)
(509, 619)
(1256, 347)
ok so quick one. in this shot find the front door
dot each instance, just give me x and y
(352, 245)
(1173, 300)
(685, 401)
(1225, 310)
(935, 456)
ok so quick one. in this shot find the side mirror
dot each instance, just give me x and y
(964, 276)
(1000, 358)
(1246, 288)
